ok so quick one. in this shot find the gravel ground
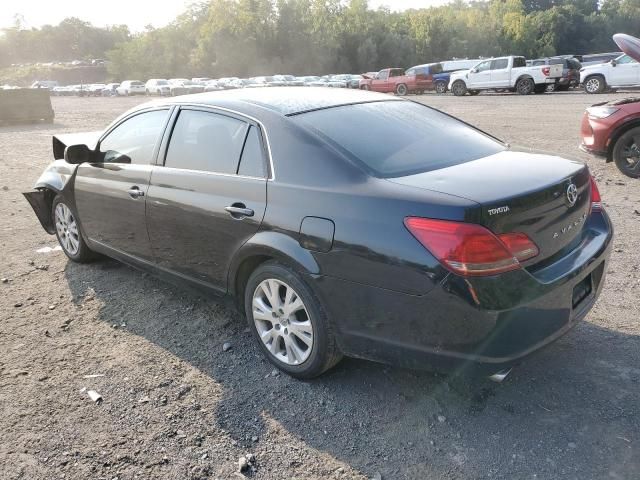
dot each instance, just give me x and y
(176, 406)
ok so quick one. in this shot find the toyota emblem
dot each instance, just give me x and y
(572, 194)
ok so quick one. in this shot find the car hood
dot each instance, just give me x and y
(628, 44)
(60, 142)
(595, 66)
(459, 74)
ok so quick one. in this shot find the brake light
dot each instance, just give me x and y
(469, 249)
(546, 71)
(596, 201)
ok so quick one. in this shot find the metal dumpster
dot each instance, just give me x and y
(25, 105)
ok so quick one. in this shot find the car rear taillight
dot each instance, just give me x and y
(546, 71)
(596, 201)
(469, 249)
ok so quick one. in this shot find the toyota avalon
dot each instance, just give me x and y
(340, 222)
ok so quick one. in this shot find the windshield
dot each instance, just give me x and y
(398, 138)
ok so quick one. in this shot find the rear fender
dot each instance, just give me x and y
(273, 245)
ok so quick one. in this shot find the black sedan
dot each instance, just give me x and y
(340, 222)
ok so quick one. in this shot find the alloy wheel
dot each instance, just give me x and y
(593, 85)
(67, 229)
(282, 321)
(631, 156)
(441, 87)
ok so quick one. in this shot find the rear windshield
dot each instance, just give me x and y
(398, 138)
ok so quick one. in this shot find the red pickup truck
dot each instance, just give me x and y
(398, 81)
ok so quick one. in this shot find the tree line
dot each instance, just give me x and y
(252, 37)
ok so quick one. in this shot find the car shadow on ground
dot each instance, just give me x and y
(571, 411)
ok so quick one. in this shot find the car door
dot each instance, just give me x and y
(625, 72)
(480, 75)
(500, 73)
(209, 196)
(380, 83)
(110, 194)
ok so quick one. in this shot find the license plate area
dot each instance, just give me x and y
(581, 291)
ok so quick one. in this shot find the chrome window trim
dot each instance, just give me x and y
(206, 172)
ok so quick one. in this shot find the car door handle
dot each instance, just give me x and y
(135, 192)
(238, 210)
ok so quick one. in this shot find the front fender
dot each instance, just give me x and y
(627, 123)
(276, 245)
(56, 176)
(54, 180)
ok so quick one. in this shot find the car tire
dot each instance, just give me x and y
(441, 88)
(594, 84)
(309, 352)
(525, 86)
(365, 87)
(459, 88)
(68, 232)
(626, 153)
(402, 90)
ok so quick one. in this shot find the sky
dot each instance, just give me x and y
(134, 13)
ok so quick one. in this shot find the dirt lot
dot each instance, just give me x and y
(175, 406)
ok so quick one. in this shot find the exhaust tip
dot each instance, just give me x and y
(498, 377)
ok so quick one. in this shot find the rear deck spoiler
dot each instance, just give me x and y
(60, 142)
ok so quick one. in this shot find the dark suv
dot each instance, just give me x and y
(570, 71)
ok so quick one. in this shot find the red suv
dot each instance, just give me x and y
(612, 129)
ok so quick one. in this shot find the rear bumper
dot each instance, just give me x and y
(484, 324)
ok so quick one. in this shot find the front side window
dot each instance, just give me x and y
(383, 75)
(134, 138)
(484, 66)
(625, 59)
(206, 141)
(398, 138)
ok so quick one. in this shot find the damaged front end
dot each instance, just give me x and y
(56, 177)
(40, 201)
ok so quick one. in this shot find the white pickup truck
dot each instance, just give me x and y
(504, 73)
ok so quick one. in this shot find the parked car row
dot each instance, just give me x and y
(596, 73)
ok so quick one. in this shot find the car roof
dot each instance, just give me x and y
(284, 100)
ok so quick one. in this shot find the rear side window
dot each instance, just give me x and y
(206, 141)
(252, 159)
(397, 138)
(135, 138)
(499, 64)
(519, 62)
(436, 68)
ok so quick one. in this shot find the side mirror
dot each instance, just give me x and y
(77, 154)
(473, 70)
(614, 63)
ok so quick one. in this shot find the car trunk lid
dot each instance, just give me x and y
(546, 197)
